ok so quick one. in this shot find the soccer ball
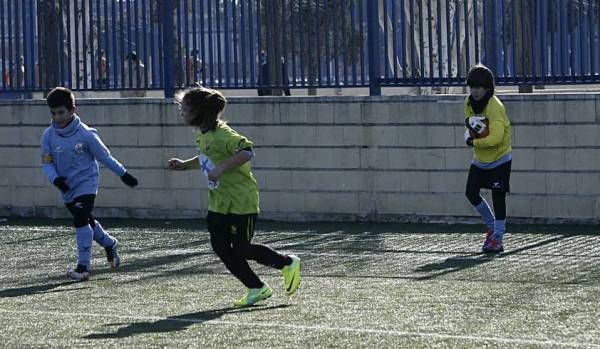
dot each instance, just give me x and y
(478, 126)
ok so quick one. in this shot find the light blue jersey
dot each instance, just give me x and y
(72, 152)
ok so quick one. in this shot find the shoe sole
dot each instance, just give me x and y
(493, 251)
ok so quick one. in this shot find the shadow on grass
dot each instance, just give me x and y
(38, 289)
(178, 322)
(45, 237)
(147, 264)
(459, 263)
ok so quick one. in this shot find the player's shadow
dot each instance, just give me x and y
(180, 245)
(177, 323)
(148, 264)
(45, 237)
(38, 289)
(459, 263)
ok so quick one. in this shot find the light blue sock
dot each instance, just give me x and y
(486, 213)
(84, 237)
(102, 237)
(499, 229)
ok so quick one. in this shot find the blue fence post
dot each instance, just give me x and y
(28, 47)
(373, 47)
(490, 35)
(167, 22)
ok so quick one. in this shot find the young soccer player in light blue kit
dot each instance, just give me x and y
(70, 151)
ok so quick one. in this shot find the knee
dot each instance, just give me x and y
(242, 250)
(80, 221)
(81, 216)
(473, 197)
(498, 189)
(220, 249)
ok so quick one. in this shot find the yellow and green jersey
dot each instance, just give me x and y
(498, 143)
(237, 191)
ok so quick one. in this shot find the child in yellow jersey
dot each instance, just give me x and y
(492, 154)
(233, 207)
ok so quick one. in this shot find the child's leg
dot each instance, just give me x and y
(80, 208)
(501, 186)
(472, 193)
(499, 200)
(243, 246)
(100, 235)
(219, 227)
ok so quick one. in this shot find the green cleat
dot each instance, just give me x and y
(291, 275)
(254, 296)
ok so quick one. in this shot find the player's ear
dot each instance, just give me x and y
(74, 109)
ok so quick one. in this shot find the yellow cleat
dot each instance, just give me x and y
(254, 296)
(291, 275)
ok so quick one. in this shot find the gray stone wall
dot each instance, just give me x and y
(390, 158)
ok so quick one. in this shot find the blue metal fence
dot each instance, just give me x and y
(281, 44)
(434, 42)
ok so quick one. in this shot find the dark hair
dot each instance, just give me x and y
(61, 96)
(206, 105)
(480, 76)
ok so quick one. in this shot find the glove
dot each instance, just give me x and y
(59, 182)
(477, 124)
(129, 180)
(468, 138)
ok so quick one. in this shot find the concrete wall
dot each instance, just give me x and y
(397, 158)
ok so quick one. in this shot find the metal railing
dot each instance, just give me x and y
(136, 45)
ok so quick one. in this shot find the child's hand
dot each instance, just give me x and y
(175, 164)
(130, 180)
(215, 173)
(469, 137)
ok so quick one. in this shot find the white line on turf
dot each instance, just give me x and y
(314, 328)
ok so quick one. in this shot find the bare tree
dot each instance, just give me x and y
(321, 26)
(49, 24)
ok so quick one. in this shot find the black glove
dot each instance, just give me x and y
(468, 138)
(468, 125)
(129, 180)
(59, 182)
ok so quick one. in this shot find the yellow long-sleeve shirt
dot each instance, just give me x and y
(498, 142)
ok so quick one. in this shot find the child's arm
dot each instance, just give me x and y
(496, 129)
(176, 164)
(236, 160)
(494, 138)
(49, 167)
(102, 154)
(47, 159)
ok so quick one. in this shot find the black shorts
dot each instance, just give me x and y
(494, 179)
(232, 225)
(81, 208)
